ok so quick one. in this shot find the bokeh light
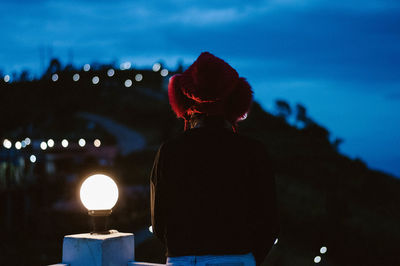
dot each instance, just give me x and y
(64, 143)
(54, 77)
(82, 142)
(86, 67)
(32, 158)
(75, 77)
(95, 80)
(138, 77)
(128, 83)
(164, 72)
(110, 72)
(125, 65)
(317, 259)
(156, 67)
(323, 250)
(97, 143)
(27, 141)
(50, 143)
(7, 144)
(276, 241)
(7, 78)
(18, 145)
(43, 145)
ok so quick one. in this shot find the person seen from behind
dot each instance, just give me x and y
(213, 199)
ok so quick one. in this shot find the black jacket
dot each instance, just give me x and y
(213, 192)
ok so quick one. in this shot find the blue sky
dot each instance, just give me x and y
(338, 58)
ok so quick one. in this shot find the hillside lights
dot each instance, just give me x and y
(323, 250)
(50, 143)
(99, 194)
(164, 72)
(7, 144)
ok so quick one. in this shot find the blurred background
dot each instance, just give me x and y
(84, 90)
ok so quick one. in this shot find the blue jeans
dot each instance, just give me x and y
(213, 260)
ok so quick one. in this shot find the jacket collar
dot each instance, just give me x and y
(202, 120)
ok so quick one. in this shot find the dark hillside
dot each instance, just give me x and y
(325, 198)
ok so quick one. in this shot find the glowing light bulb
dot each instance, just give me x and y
(50, 143)
(99, 192)
(54, 77)
(97, 143)
(156, 67)
(64, 143)
(7, 78)
(128, 83)
(7, 144)
(138, 77)
(110, 72)
(323, 250)
(95, 80)
(75, 77)
(317, 259)
(18, 145)
(86, 67)
(164, 72)
(32, 158)
(43, 145)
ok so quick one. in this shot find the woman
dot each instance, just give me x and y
(213, 190)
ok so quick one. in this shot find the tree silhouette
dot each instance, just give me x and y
(283, 109)
(301, 116)
(55, 66)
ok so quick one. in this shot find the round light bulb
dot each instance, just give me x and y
(99, 192)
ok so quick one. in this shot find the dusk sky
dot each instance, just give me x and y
(340, 59)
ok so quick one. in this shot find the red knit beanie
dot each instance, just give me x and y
(210, 86)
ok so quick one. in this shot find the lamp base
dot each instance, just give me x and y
(100, 222)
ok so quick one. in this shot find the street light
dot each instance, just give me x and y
(99, 194)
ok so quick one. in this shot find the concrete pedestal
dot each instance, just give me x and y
(116, 249)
